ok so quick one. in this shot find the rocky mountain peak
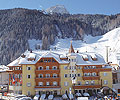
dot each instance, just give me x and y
(57, 9)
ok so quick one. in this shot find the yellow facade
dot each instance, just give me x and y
(63, 79)
(107, 77)
(25, 72)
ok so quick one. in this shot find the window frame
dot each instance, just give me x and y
(28, 75)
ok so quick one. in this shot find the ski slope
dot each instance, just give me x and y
(89, 44)
(94, 44)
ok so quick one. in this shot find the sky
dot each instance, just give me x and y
(73, 6)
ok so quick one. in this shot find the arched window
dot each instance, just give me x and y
(54, 75)
(40, 68)
(40, 75)
(93, 74)
(54, 83)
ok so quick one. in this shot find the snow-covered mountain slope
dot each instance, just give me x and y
(90, 44)
(94, 44)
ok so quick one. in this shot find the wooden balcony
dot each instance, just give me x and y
(91, 77)
(46, 87)
(57, 71)
(86, 86)
(47, 79)
(17, 71)
(96, 70)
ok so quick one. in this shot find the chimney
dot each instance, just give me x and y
(23, 56)
(30, 51)
(77, 51)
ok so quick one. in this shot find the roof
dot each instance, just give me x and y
(90, 61)
(57, 55)
(3, 68)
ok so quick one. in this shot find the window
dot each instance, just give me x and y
(65, 83)
(53, 60)
(93, 67)
(87, 82)
(28, 68)
(79, 83)
(28, 93)
(88, 74)
(28, 84)
(79, 75)
(65, 75)
(40, 83)
(49, 60)
(54, 75)
(40, 68)
(40, 75)
(54, 67)
(92, 82)
(105, 82)
(54, 83)
(105, 74)
(41, 60)
(85, 74)
(28, 76)
(65, 67)
(93, 74)
(45, 60)
(78, 67)
(47, 67)
(47, 83)
(47, 75)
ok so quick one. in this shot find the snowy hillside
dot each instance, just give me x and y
(90, 44)
(94, 44)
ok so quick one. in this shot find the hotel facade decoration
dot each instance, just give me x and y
(54, 72)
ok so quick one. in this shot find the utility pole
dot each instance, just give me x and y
(106, 53)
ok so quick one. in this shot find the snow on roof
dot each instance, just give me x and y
(81, 61)
(15, 62)
(32, 55)
(56, 55)
(3, 68)
(107, 66)
(84, 56)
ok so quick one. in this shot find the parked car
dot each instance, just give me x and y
(25, 98)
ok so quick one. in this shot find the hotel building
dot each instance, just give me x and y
(59, 72)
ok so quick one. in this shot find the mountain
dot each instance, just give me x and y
(19, 27)
(60, 9)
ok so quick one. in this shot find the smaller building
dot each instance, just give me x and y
(116, 79)
(4, 78)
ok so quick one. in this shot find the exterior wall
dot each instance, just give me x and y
(63, 79)
(108, 77)
(26, 72)
(4, 79)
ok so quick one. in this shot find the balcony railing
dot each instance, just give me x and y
(47, 79)
(96, 70)
(91, 77)
(86, 86)
(48, 71)
(47, 87)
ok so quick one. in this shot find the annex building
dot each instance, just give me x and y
(58, 72)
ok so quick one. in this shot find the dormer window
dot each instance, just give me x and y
(85, 57)
(94, 58)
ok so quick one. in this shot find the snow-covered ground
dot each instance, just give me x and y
(94, 44)
(90, 44)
